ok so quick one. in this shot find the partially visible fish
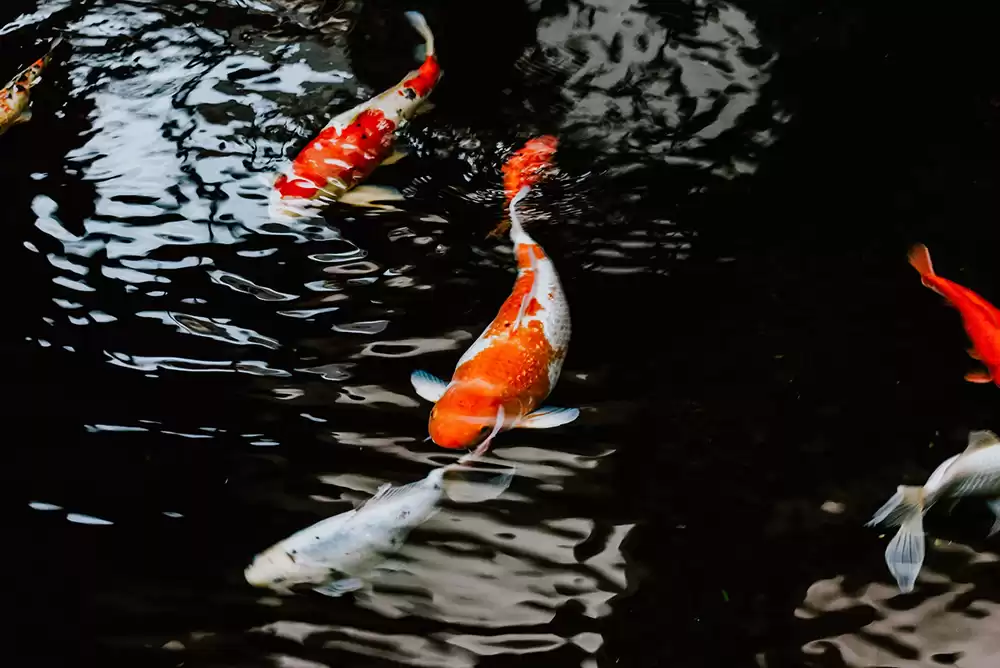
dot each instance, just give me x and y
(981, 318)
(525, 168)
(353, 144)
(515, 363)
(15, 98)
(975, 472)
(333, 555)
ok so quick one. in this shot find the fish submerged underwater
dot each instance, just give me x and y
(515, 362)
(15, 97)
(333, 555)
(973, 473)
(980, 318)
(352, 145)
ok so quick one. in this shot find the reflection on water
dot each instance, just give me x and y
(949, 620)
(204, 382)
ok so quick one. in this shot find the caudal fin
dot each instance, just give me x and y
(419, 24)
(905, 553)
(920, 258)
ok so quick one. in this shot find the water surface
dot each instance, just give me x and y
(757, 367)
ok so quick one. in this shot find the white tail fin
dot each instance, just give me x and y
(419, 24)
(905, 553)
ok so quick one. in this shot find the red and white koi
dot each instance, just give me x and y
(15, 98)
(515, 362)
(355, 143)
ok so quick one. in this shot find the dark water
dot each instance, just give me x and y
(757, 365)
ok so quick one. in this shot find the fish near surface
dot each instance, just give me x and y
(526, 168)
(352, 145)
(15, 97)
(514, 363)
(333, 555)
(975, 472)
(981, 318)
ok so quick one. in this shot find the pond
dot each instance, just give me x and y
(756, 365)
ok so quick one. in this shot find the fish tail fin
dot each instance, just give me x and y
(920, 259)
(905, 553)
(419, 24)
(54, 43)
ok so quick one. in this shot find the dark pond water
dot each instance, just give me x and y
(757, 366)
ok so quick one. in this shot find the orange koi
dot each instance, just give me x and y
(515, 362)
(525, 168)
(981, 318)
(355, 143)
(15, 97)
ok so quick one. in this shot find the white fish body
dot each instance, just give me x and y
(334, 553)
(974, 472)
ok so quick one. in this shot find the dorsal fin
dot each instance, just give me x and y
(982, 439)
(386, 492)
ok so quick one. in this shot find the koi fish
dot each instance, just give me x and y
(975, 472)
(352, 145)
(15, 97)
(526, 167)
(981, 319)
(333, 555)
(514, 363)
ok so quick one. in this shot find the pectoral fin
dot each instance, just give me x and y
(23, 118)
(396, 156)
(424, 108)
(974, 354)
(980, 376)
(995, 507)
(427, 386)
(548, 417)
(368, 196)
(340, 587)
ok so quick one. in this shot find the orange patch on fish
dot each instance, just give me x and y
(980, 318)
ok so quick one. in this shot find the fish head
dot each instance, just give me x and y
(461, 418)
(275, 568)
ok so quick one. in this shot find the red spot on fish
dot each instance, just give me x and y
(425, 78)
(296, 188)
(347, 155)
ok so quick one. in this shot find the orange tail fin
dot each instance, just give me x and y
(920, 258)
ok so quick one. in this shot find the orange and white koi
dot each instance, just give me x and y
(525, 168)
(981, 318)
(355, 143)
(515, 362)
(15, 97)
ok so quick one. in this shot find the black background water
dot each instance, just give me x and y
(757, 365)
